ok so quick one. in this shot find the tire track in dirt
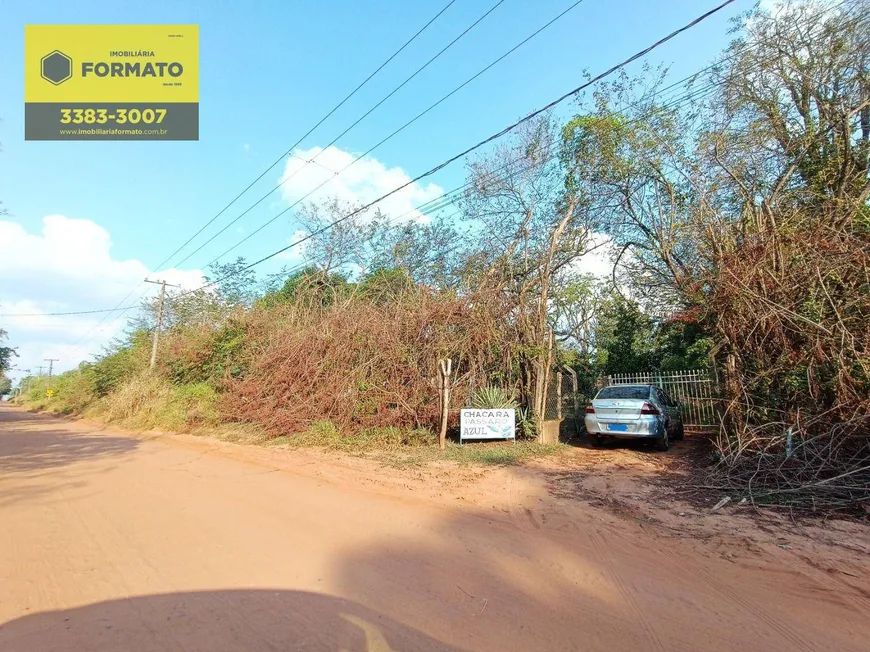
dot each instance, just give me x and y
(523, 518)
(520, 515)
(825, 579)
(753, 609)
(624, 590)
(688, 569)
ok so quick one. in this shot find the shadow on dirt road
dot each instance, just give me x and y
(30, 444)
(216, 621)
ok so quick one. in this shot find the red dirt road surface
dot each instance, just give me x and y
(114, 542)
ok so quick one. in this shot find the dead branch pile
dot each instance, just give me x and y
(793, 306)
(789, 466)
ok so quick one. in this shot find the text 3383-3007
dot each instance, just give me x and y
(119, 116)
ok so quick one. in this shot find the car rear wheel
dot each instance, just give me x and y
(680, 433)
(594, 440)
(663, 443)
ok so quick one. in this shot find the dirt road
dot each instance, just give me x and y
(114, 542)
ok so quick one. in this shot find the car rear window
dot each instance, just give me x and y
(615, 391)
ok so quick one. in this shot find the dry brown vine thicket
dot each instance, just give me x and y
(794, 307)
(361, 364)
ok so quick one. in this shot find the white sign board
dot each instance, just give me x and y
(487, 424)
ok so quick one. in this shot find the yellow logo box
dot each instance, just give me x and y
(111, 63)
(111, 82)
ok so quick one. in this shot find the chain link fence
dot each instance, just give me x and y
(564, 399)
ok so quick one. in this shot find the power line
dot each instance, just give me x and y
(452, 159)
(384, 140)
(286, 153)
(688, 96)
(59, 314)
(700, 93)
(473, 148)
(358, 120)
(343, 133)
(692, 95)
(309, 132)
(479, 144)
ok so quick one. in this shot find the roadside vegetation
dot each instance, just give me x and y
(734, 208)
(6, 355)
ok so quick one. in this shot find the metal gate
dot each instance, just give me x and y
(695, 389)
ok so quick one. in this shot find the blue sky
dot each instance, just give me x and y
(269, 71)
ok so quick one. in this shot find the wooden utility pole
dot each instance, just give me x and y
(39, 369)
(50, 362)
(445, 368)
(162, 285)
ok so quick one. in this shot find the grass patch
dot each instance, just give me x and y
(324, 434)
(238, 433)
(147, 402)
(402, 449)
(501, 453)
(488, 454)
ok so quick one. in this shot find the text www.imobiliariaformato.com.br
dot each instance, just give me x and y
(97, 131)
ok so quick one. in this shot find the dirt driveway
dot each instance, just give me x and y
(116, 542)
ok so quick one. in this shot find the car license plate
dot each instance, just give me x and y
(622, 427)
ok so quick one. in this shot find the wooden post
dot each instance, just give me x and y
(445, 367)
(559, 395)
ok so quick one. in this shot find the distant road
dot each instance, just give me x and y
(116, 543)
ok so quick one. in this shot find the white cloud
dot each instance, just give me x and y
(599, 261)
(67, 267)
(361, 183)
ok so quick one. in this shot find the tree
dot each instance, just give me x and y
(745, 215)
(5, 384)
(383, 285)
(338, 235)
(235, 284)
(309, 283)
(575, 310)
(434, 253)
(528, 235)
(624, 338)
(796, 88)
(628, 159)
(226, 287)
(6, 353)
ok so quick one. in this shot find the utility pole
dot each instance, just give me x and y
(162, 285)
(39, 369)
(50, 362)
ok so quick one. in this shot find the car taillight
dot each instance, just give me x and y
(649, 409)
(590, 409)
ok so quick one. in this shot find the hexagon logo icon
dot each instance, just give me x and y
(56, 67)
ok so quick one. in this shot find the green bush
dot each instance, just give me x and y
(198, 354)
(123, 363)
(72, 392)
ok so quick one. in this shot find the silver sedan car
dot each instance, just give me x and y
(634, 412)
